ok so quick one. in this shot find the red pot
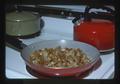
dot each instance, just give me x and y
(97, 32)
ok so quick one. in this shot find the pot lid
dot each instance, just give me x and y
(20, 16)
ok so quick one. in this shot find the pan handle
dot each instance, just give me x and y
(16, 43)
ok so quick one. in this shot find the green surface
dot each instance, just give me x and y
(20, 16)
(21, 23)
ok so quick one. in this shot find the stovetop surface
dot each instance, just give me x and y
(16, 68)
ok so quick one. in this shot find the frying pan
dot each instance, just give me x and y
(92, 53)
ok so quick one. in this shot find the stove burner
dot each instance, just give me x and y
(81, 76)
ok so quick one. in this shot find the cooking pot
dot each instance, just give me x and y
(97, 29)
(26, 50)
(22, 24)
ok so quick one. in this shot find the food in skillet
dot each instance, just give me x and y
(59, 57)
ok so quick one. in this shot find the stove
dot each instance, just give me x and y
(54, 29)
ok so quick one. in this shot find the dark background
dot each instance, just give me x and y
(7, 5)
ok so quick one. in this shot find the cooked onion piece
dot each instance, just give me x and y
(59, 57)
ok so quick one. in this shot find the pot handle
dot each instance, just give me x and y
(87, 9)
(16, 43)
(100, 15)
